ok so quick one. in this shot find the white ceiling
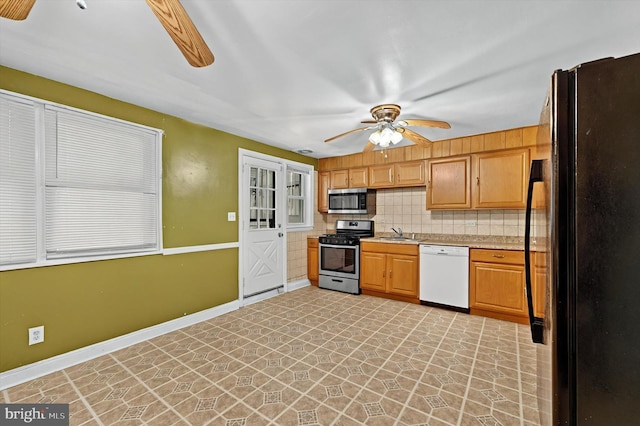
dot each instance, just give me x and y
(292, 73)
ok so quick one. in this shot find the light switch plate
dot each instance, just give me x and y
(231, 216)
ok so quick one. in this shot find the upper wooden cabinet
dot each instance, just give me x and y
(448, 183)
(500, 179)
(339, 179)
(349, 178)
(491, 180)
(408, 173)
(381, 176)
(359, 177)
(324, 179)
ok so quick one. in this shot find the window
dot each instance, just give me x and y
(299, 197)
(75, 185)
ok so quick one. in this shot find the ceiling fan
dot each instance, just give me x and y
(390, 132)
(170, 13)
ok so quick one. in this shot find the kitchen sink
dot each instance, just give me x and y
(398, 239)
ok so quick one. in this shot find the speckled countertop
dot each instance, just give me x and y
(471, 241)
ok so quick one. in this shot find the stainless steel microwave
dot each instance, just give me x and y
(352, 201)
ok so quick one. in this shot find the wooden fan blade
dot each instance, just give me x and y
(18, 10)
(416, 138)
(369, 122)
(369, 147)
(428, 123)
(184, 33)
(346, 133)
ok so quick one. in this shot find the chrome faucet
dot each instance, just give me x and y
(398, 232)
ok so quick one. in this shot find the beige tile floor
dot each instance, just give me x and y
(309, 357)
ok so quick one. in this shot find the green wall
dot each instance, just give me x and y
(85, 303)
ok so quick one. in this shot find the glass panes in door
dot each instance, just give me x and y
(262, 203)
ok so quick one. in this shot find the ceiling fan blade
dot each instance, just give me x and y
(184, 33)
(428, 123)
(415, 137)
(347, 133)
(369, 147)
(369, 122)
(17, 10)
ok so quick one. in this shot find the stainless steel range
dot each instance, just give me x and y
(339, 255)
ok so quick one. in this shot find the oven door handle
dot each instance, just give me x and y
(339, 246)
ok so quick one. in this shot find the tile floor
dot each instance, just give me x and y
(309, 357)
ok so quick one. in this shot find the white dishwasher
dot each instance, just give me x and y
(444, 276)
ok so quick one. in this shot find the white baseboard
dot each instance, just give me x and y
(291, 286)
(294, 285)
(59, 362)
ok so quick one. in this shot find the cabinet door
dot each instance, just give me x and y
(359, 177)
(372, 271)
(539, 284)
(500, 179)
(323, 191)
(381, 176)
(402, 274)
(448, 185)
(339, 179)
(498, 288)
(312, 264)
(409, 173)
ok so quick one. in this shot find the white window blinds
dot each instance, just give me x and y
(18, 222)
(75, 185)
(101, 185)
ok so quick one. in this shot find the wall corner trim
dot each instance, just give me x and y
(59, 362)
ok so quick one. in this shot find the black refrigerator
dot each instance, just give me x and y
(589, 222)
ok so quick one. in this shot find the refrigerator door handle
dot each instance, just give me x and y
(537, 324)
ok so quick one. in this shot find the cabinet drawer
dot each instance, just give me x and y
(392, 248)
(497, 256)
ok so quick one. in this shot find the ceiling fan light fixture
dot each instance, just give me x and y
(375, 137)
(396, 137)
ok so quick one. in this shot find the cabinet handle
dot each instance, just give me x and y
(390, 274)
(499, 256)
(384, 274)
(428, 184)
(398, 176)
(478, 180)
(346, 181)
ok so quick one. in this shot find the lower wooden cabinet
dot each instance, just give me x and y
(390, 270)
(539, 284)
(497, 286)
(312, 260)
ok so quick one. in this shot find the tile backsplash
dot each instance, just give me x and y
(406, 208)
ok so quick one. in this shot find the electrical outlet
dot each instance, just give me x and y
(231, 216)
(470, 223)
(36, 335)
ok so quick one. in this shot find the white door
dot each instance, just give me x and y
(263, 255)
